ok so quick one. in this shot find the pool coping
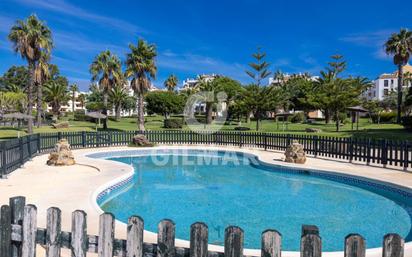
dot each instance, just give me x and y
(257, 154)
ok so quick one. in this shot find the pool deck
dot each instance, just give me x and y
(75, 187)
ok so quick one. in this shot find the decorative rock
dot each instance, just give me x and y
(60, 125)
(141, 140)
(62, 155)
(313, 130)
(295, 153)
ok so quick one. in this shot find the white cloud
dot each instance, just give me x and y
(199, 64)
(63, 7)
(374, 40)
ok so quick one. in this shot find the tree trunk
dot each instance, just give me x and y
(105, 100)
(337, 121)
(248, 117)
(400, 88)
(73, 102)
(257, 121)
(327, 116)
(118, 110)
(209, 112)
(30, 98)
(140, 112)
(39, 104)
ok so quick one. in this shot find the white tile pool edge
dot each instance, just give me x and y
(249, 252)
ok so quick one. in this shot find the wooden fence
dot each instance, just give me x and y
(16, 152)
(19, 236)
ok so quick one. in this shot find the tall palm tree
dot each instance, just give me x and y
(141, 68)
(106, 69)
(73, 89)
(41, 75)
(30, 38)
(400, 46)
(171, 82)
(118, 97)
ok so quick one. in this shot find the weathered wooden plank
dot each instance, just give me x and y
(53, 232)
(271, 243)
(355, 246)
(78, 240)
(233, 242)
(199, 236)
(29, 231)
(105, 247)
(393, 246)
(310, 246)
(17, 208)
(134, 247)
(310, 229)
(166, 239)
(5, 231)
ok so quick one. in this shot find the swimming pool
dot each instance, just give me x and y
(224, 188)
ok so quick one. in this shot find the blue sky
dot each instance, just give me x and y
(210, 36)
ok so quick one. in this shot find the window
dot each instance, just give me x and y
(386, 92)
(386, 83)
(391, 81)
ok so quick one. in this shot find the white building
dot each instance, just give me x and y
(190, 83)
(386, 83)
(287, 76)
(69, 106)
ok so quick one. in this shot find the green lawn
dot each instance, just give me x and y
(366, 129)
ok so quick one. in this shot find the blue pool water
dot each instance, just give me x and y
(231, 189)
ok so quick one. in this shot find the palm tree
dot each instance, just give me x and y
(41, 75)
(171, 82)
(74, 88)
(106, 69)
(141, 67)
(82, 100)
(118, 97)
(400, 46)
(30, 38)
(56, 94)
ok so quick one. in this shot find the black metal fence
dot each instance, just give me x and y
(15, 152)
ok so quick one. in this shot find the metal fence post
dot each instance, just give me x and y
(59, 135)
(29, 145)
(384, 153)
(21, 151)
(84, 139)
(3, 160)
(38, 143)
(315, 146)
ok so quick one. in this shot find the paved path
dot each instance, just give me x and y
(72, 188)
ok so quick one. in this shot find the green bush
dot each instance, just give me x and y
(407, 122)
(173, 123)
(384, 117)
(343, 118)
(80, 115)
(297, 117)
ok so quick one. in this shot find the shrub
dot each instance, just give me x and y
(297, 117)
(384, 117)
(407, 122)
(173, 123)
(343, 118)
(80, 115)
(242, 128)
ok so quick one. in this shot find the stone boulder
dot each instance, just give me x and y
(295, 153)
(60, 125)
(62, 155)
(141, 141)
(313, 130)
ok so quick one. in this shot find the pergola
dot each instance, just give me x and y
(355, 110)
(97, 116)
